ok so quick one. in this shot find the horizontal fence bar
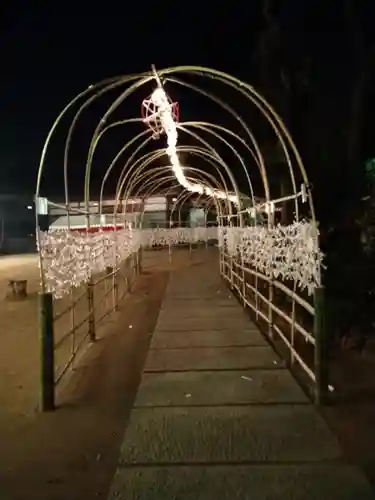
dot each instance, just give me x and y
(302, 302)
(229, 270)
(123, 273)
(69, 308)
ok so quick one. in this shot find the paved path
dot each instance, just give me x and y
(218, 417)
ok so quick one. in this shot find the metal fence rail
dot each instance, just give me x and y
(290, 318)
(284, 315)
(68, 325)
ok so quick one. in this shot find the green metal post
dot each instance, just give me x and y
(321, 349)
(90, 302)
(47, 386)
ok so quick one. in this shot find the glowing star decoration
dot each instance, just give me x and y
(150, 115)
(161, 114)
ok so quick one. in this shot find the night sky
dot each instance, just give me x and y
(50, 53)
(53, 54)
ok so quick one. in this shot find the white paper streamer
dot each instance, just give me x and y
(285, 252)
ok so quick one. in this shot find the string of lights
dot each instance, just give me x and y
(164, 114)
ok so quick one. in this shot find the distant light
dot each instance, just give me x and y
(29, 207)
(174, 199)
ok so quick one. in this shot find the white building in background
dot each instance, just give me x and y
(154, 210)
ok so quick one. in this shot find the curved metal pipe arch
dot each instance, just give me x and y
(154, 186)
(134, 139)
(152, 178)
(148, 158)
(139, 80)
(257, 155)
(202, 71)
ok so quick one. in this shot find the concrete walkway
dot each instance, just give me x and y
(218, 417)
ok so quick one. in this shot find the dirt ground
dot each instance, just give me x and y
(351, 414)
(19, 354)
(72, 452)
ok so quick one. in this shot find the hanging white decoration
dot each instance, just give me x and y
(282, 252)
(177, 236)
(70, 258)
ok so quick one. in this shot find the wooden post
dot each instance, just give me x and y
(321, 351)
(47, 362)
(17, 290)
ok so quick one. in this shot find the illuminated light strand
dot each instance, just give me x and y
(165, 114)
(71, 258)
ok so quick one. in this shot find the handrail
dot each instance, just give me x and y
(235, 272)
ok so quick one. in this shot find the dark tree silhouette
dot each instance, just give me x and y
(316, 65)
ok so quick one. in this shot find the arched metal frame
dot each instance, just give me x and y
(245, 89)
(148, 158)
(134, 177)
(123, 177)
(149, 183)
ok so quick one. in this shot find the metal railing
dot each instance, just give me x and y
(70, 324)
(286, 317)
